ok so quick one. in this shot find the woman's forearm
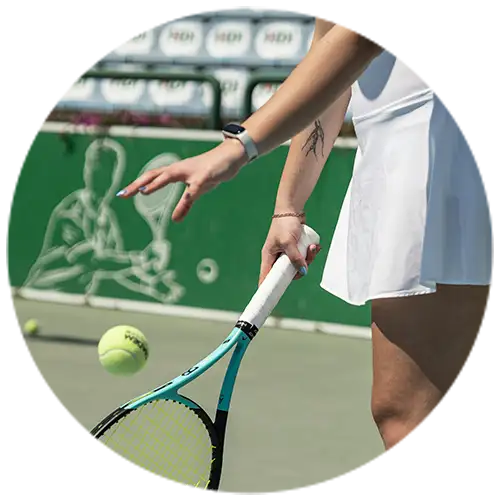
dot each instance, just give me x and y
(328, 70)
(307, 156)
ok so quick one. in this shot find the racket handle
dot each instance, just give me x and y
(273, 287)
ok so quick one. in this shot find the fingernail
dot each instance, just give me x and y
(303, 270)
(314, 248)
(121, 193)
(142, 188)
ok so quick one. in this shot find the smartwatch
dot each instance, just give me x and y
(235, 131)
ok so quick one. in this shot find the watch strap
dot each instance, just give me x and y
(244, 137)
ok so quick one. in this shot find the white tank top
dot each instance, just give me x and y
(384, 82)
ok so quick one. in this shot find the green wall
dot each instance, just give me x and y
(228, 225)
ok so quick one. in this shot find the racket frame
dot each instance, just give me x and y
(239, 339)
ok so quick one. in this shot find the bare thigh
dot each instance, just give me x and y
(420, 344)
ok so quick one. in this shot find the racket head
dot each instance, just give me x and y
(173, 438)
(124, 429)
(156, 207)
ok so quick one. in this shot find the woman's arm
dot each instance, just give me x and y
(310, 148)
(307, 156)
(327, 71)
(332, 65)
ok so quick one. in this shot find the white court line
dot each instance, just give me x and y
(336, 329)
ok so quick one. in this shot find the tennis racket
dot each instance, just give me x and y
(170, 434)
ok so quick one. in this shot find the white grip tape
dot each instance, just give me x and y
(276, 282)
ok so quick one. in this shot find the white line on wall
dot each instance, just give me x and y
(161, 133)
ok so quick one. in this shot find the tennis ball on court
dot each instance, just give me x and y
(123, 350)
(31, 327)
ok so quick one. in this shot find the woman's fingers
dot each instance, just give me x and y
(192, 192)
(312, 251)
(267, 261)
(167, 176)
(296, 258)
(183, 206)
(151, 181)
(133, 188)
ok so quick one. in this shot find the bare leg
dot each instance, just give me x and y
(420, 344)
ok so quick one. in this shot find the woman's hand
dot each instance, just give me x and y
(200, 174)
(283, 237)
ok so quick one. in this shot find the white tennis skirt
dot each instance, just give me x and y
(415, 213)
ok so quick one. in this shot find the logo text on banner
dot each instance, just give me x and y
(183, 38)
(229, 39)
(279, 40)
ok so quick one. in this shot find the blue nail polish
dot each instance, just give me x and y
(303, 270)
(142, 188)
(121, 193)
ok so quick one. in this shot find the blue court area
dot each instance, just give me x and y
(301, 409)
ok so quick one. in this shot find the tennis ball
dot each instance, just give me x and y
(31, 327)
(123, 350)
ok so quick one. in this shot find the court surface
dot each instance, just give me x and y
(301, 409)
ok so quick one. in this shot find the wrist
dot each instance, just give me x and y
(234, 152)
(300, 216)
(286, 205)
(240, 133)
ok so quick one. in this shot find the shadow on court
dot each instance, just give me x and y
(301, 409)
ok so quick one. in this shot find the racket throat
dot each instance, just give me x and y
(247, 328)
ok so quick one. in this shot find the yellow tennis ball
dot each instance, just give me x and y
(31, 327)
(123, 350)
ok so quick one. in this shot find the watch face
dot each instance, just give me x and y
(234, 128)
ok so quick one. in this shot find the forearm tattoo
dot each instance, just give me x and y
(315, 140)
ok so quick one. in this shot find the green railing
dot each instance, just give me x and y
(215, 121)
(255, 80)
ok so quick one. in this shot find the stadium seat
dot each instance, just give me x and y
(107, 95)
(233, 82)
(280, 43)
(230, 45)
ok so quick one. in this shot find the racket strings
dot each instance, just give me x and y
(177, 477)
(167, 438)
(181, 449)
(182, 446)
